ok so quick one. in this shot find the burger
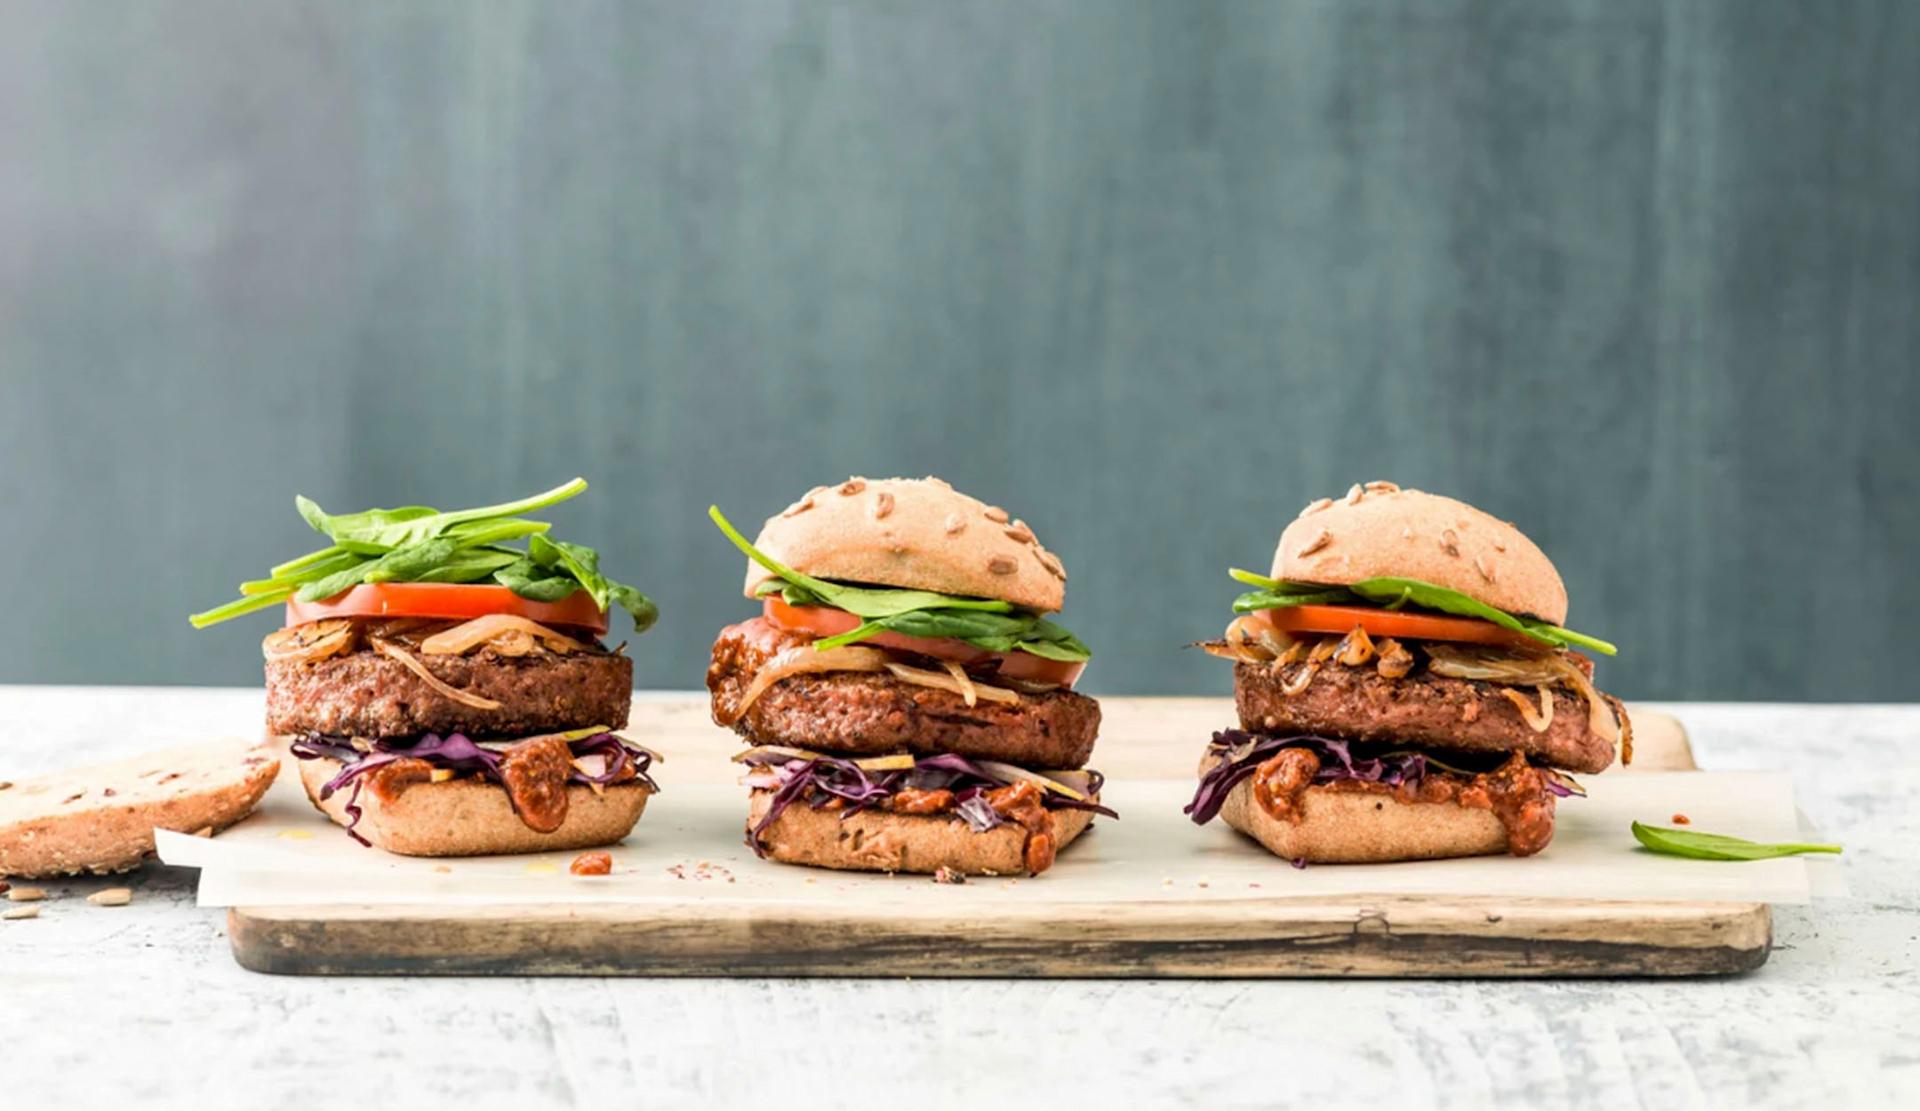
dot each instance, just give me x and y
(448, 693)
(907, 703)
(1405, 688)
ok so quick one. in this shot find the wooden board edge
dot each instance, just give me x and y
(1389, 937)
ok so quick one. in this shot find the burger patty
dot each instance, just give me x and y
(366, 694)
(858, 713)
(1421, 710)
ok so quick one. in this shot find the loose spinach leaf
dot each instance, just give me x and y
(418, 543)
(1716, 846)
(995, 625)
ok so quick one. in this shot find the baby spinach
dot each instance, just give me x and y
(1718, 846)
(993, 624)
(1398, 593)
(418, 543)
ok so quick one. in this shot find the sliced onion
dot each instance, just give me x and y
(940, 681)
(509, 634)
(967, 690)
(1016, 774)
(411, 663)
(803, 659)
(1500, 665)
(898, 762)
(1539, 720)
(1395, 660)
(1324, 650)
(1028, 686)
(1355, 648)
(1300, 681)
(308, 643)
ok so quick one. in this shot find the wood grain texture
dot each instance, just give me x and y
(1640, 277)
(1147, 738)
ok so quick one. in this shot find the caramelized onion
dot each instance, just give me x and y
(939, 681)
(803, 659)
(1355, 648)
(1300, 681)
(1395, 660)
(1539, 720)
(1460, 661)
(967, 689)
(411, 663)
(506, 633)
(308, 643)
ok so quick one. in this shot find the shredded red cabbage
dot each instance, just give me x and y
(825, 778)
(1242, 753)
(458, 753)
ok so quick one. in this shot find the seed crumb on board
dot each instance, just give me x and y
(111, 897)
(26, 894)
(16, 914)
(295, 834)
(1682, 820)
(592, 864)
(944, 874)
(704, 870)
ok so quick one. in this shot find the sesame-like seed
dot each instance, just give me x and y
(1315, 506)
(1481, 565)
(17, 914)
(1381, 486)
(997, 515)
(1317, 543)
(882, 504)
(1406, 533)
(111, 897)
(956, 524)
(799, 507)
(853, 486)
(1354, 494)
(1053, 565)
(1450, 542)
(1019, 533)
(1001, 565)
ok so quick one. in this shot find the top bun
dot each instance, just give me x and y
(917, 533)
(1379, 530)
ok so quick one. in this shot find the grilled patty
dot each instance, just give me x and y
(861, 713)
(365, 694)
(1420, 710)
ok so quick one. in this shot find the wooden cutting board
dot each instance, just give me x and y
(1142, 738)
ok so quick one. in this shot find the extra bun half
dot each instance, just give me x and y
(881, 841)
(918, 533)
(1353, 827)
(1379, 530)
(471, 817)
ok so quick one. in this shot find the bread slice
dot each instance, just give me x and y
(472, 817)
(101, 819)
(1352, 827)
(881, 841)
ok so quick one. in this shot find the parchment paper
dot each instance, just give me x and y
(688, 848)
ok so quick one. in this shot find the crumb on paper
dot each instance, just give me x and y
(443, 869)
(944, 874)
(111, 897)
(18, 914)
(543, 868)
(702, 871)
(1682, 820)
(26, 894)
(592, 864)
(289, 834)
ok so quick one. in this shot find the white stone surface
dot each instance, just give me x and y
(143, 1006)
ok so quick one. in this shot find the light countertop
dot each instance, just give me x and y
(144, 1005)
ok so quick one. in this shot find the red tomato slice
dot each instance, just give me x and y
(1389, 623)
(453, 601)
(825, 621)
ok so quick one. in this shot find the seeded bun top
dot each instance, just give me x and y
(917, 533)
(1379, 530)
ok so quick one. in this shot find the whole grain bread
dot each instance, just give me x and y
(472, 817)
(101, 819)
(881, 841)
(1354, 828)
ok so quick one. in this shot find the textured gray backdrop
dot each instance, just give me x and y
(1641, 276)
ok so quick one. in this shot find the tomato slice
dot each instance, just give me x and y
(1389, 623)
(453, 601)
(825, 621)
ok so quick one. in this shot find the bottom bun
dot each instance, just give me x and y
(1365, 827)
(472, 817)
(881, 841)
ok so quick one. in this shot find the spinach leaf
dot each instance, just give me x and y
(1716, 846)
(1395, 592)
(418, 543)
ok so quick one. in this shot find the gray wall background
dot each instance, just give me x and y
(1641, 276)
